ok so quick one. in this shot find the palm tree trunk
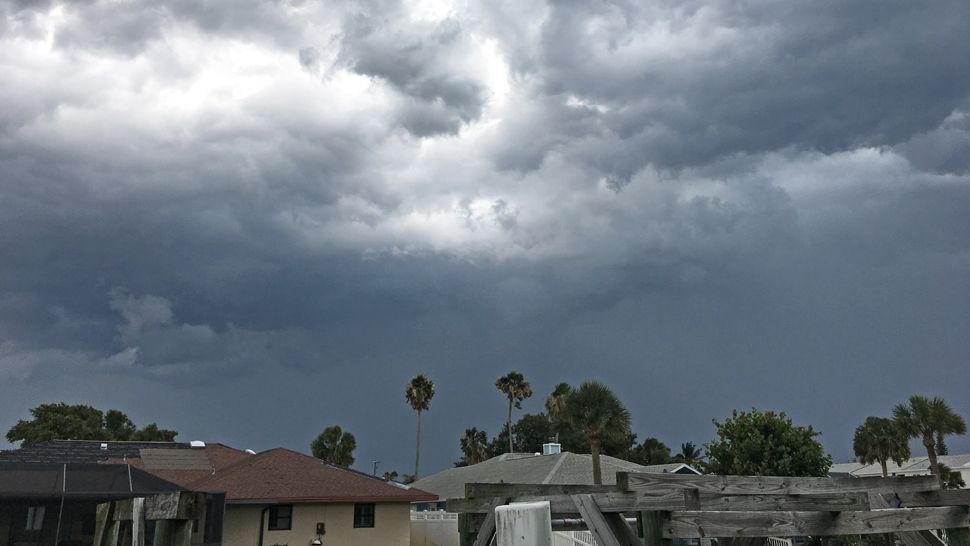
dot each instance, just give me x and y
(885, 471)
(510, 424)
(594, 448)
(417, 448)
(931, 452)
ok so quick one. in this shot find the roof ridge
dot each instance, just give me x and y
(229, 468)
(555, 467)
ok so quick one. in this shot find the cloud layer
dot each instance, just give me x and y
(271, 214)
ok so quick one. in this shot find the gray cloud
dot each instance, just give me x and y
(286, 208)
(427, 63)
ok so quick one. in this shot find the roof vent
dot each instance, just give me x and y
(197, 443)
(251, 452)
(104, 446)
(551, 449)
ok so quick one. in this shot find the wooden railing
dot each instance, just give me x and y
(746, 508)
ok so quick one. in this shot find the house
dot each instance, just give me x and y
(277, 497)
(283, 497)
(55, 503)
(554, 467)
(915, 466)
(94, 471)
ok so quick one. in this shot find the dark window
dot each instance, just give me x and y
(363, 515)
(281, 517)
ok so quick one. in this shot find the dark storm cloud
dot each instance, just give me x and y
(212, 209)
(420, 61)
(681, 83)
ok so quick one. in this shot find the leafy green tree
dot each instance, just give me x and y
(59, 421)
(81, 422)
(118, 425)
(151, 433)
(598, 413)
(334, 446)
(880, 440)
(530, 432)
(390, 476)
(651, 451)
(689, 454)
(474, 446)
(419, 392)
(765, 444)
(929, 420)
(516, 389)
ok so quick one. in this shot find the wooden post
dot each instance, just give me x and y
(173, 532)
(958, 536)
(651, 525)
(602, 530)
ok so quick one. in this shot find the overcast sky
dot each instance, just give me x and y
(248, 220)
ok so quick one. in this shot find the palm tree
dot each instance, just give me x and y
(599, 414)
(557, 401)
(880, 439)
(419, 392)
(928, 419)
(474, 445)
(334, 446)
(689, 454)
(517, 389)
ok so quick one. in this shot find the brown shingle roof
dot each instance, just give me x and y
(184, 466)
(283, 475)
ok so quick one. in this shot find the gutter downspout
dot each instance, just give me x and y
(262, 517)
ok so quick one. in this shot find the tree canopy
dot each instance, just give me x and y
(334, 446)
(514, 386)
(63, 421)
(651, 451)
(418, 393)
(474, 446)
(929, 419)
(766, 443)
(880, 440)
(595, 410)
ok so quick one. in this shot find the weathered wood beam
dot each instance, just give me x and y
(909, 538)
(651, 526)
(487, 530)
(753, 485)
(601, 529)
(175, 505)
(958, 537)
(700, 524)
(105, 525)
(945, 497)
(172, 532)
(563, 506)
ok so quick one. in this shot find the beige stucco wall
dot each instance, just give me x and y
(392, 524)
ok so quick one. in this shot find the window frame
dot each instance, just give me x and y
(364, 520)
(273, 519)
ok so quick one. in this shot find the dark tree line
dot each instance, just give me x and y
(62, 421)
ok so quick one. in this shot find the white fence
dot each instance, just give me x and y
(573, 538)
(437, 528)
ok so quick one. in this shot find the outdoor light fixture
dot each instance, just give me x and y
(321, 530)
